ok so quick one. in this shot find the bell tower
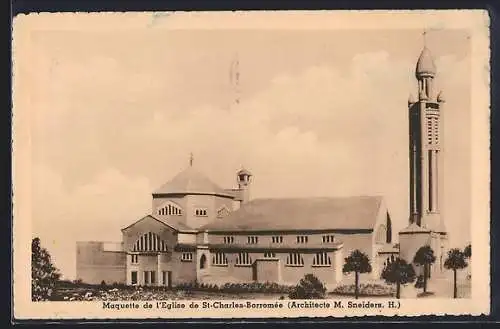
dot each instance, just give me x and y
(243, 178)
(425, 141)
(425, 114)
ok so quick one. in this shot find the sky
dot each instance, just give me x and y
(114, 115)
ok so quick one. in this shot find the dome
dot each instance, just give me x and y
(190, 181)
(244, 171)
(425, 64)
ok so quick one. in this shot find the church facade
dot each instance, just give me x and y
(198, 231)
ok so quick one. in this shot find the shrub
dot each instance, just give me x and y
(252, 287)
(309, 287)
(367, 290)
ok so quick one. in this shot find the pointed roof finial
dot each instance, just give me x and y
(425, 64)
(191, 158)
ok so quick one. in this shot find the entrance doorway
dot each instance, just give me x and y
(167, 278)
(203, 262)
(254, 272)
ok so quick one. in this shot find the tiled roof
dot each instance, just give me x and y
(175, 222)
(344, 213)
(191, 181)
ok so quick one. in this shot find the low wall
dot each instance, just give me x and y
(94, 265)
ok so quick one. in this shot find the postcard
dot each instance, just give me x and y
(251, 164)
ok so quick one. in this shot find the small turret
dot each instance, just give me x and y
(440, 97)
(244, 179)
(411, 100)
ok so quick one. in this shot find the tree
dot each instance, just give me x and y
(309, 287)
(456, 261)
(398, 272)
(468, 255)
(420, 282)
(425, 257)
(44, 275)
(357, 262)
(468, 251)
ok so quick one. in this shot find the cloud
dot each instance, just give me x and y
(320, 131)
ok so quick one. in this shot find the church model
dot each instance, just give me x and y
(198, 231)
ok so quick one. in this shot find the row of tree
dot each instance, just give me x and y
(399, 272)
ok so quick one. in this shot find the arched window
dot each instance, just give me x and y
(295, 259)
(150, 242)
(243, 259)
(302, 238)
(219, 259)
(203, 261)
(277, 239)
(200, 212)
(187, 257)
(322, 259)
(381, 235)
(389, 228)
(169, 209)
(328, 238)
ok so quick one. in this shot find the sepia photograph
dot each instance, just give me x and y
(227, 164)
